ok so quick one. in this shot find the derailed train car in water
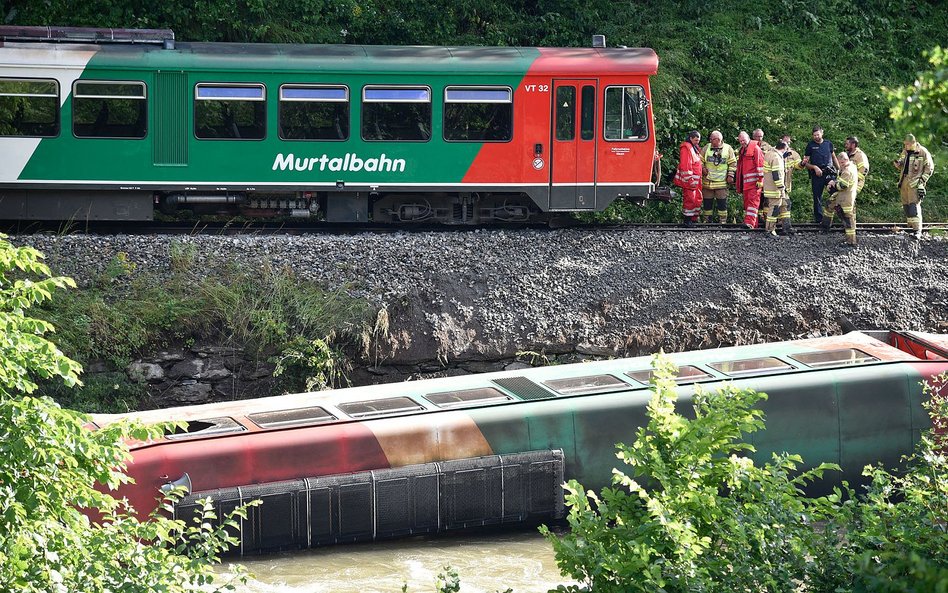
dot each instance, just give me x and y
(443, 454)
(111, 124)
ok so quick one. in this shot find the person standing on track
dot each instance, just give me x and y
(775, 191)
(720, 164)
(817, 158)
(916, 166)
(858, 158)
(844, 198)
(792, 161)
(750, 172)
(688, 177)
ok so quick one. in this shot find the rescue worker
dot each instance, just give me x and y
(916, 167)
(817, 158)
(843, 202)
(858, 158)
(758, 135)
(750, 171)
(792, 162)
(688, 177)
(775, 191)
(720, 164)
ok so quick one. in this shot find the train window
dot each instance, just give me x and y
(751, 366)
(309, 112)
(626, 116)
(590, 384)
(205, 427)
(834, 358)
(379, 407)
(686, 374)
(565, 112)
(109, 109)
(587, 118)
(29, 107)
(466, 397)
(478, 114)
(296, 417)
(396, 113)
(230, 111)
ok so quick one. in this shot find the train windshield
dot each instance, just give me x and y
(834, 358)
(626, 113)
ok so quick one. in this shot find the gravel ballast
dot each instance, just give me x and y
(486, 295)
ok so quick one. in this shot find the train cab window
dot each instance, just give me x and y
(309, 112)
(230, 111)
(751, 366)
(109, 109)
(586, 385)
(467, 397)
(587, 109)
(205, 427)
(626, 113)
(380, 407)
(295, 417)
(396, 113)
(686, 374)
(478, 114)
(565, 112)
(834, 358)
(29, 107)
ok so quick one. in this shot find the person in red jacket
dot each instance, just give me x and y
(750, 176)
(688, 177)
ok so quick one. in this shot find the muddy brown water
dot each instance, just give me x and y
(486, 562)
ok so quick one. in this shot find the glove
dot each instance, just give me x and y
(921, 194)
(760, 184)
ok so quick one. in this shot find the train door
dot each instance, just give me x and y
(573, 145)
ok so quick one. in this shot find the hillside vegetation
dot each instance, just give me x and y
(728, 65)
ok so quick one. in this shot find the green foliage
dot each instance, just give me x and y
(921, 108)
(56, 472)
(312, 365)
(692, 513)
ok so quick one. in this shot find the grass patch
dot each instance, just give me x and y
(125, 314)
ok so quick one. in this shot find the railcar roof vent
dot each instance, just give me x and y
(599, 41)
(163, 37)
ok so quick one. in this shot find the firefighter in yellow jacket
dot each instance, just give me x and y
(916, 166)
(843, 202)
(858, 158)
(775, 191)
(720, 164)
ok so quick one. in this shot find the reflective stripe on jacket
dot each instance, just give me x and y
(688, 175)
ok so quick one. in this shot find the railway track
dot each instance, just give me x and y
(307, 227)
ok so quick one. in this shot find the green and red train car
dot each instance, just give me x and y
(427, 456)
(108, 125)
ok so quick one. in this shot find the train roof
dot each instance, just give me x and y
(859, 347)
(341, 58)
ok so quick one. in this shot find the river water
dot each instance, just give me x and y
(486, 562)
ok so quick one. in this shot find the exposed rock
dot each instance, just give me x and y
(166, 357)
(214, 370)
(188, 369)
(145, 372)
(517, 366)
(190, 393)
(217, 351)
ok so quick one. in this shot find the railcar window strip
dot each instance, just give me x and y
(834, 358)
(108, 89)
(394, 94)
(109, 109)
(229, 92)
(467, 397)
(312, 92)
(292, 417)
(587, 385)
(29, 107)
(752, 366)
(381, 407)
(686, 374)
(460, 94)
